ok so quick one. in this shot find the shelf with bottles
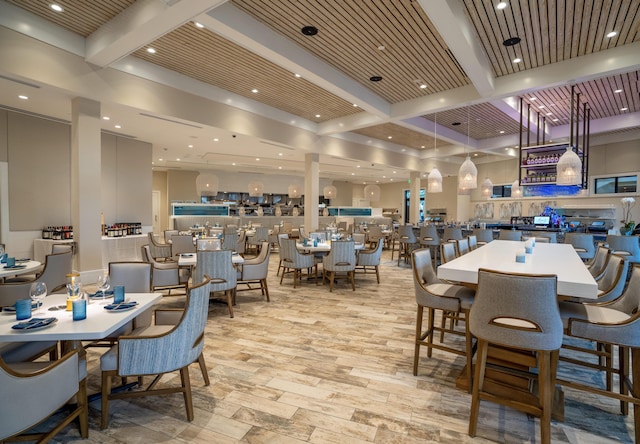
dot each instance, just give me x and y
(122, 229)
(539, 177)
(540, 160)
(57, 232)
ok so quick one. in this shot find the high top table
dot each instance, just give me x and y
(562, 260)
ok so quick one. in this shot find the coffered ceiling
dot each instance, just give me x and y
(389, 74)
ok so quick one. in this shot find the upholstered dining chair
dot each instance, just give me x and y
(582, 243)
(627, 246)
(512, 235)
(218, 266)
(613, 280)
(261, 235)
(280, 251)
(255, 271)
(366, 259)
(242, 242)
(451, 234)
(447, 252)
(374, 235)
(407, 242)
(157, 350)
(61, 248)
(230, 242)
(462, 245)
(341, 259)
(434, 295)
(551, 236)
(599, 262)
(430, 238)
(168, 234)
(359, 238)
(611, 325)
(517, 312)
(182, 243)
(484, 235)
(35, 391)
(161, 252)
(165, 275)
(294, 262)
(473, 242)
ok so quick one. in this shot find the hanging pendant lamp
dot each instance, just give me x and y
(294, 191)
(372, 192)
(468, 173)
(330, 192)
(434, 179)
(487, 188)
(207, 184)
(516, 191)
(569, 169)
(256, 189)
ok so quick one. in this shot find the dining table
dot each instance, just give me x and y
(323, 247)
(26, 266)
(191, 259)
(574, 279)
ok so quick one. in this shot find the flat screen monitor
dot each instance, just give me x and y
(541, 221)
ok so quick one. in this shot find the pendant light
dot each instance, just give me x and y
(487, 188)
(256, 189)
(372, 192)
(516, 191)
(434, 180)
(569, 166)
(207, 184)
(330, 192)
(468, 173)
(294, 191)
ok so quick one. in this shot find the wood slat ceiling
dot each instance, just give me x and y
(350, 33)
(486, 121)
(80, 16)
(399, 135)
(205, 56)
(551, 31)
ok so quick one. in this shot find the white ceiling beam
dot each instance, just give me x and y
(604, 125)
(244, 30)
(459, 35)
(349, 123)
(140, 24)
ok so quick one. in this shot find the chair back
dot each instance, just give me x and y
(342, 226)
(484, 235)
(451, 233)
(157, 249)
(552, 237)
(320, 235)
(218, 266)
(424, 275)
(287, 227)
(600, 260)
(516, 310)
(447, 252)
(242, 240)
(473, 242)
(583, 244)
(208, 244)
(230, 242)
(463, 246)
(371, 257)
(342, 257)
(359, 237)
(429, 235)
(375, 233)
(230, 229)
(182, 243)
(257, 267)
(629, 301)
(613, 281)
(134, 276)
(627, 246)
(61, 248)
(423, 272)
(406, 235)
(512, 235)
(56, 268)
(173, 350)
(168, 234)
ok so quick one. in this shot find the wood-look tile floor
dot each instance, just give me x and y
(321, 367)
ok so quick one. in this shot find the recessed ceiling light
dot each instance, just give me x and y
(297, 75)
(533, 99)
(475, 154)
(23, 97)
(422, 146)
(506, 149)
(233, 163)
(375, 78)
(106, 118)
(353, 174)
(612, 34)
(403, 150)
(618, 91)
(317, 115)
(389, 137)
(255, 91)
(517, 60)
(151, 50)
(554, 120)
(391, 180)
(394, 172)
(501, 132)
(381, 47)
(548, 114)
(190, 146)
(56, 7)
(280, 154)
(198, 25)
(542, 106)
(355, 104)
(423, 86)
(178, 159)
(118, 126)
(357, 166)
(511, 41)
(501, 5)
(216, 139)
(624, 109)
(309, 30)
(377, 181)
(161, 159)
(384, 177)
(279, 168)
(258, 159)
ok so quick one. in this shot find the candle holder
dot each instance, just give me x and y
(74, 287)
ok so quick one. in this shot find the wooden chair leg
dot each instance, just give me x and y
(478, 381)
(416, 353)
(84, 409)
(377, 274)
(545, 394)
(635, 389)
(106, 390)
(186, 391)
(430, 319)
(203, 369)
(265, 289)
(353, 280)
(332, 275)
(229, 302)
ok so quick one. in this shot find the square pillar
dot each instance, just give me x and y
(311, 191)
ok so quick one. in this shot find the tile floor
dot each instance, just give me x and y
(320, 367)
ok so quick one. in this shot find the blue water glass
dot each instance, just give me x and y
(79, 309)
(11, 261)
(23, 309)
(528, 250)
(3, 258)
(315, 241)
(118, 294)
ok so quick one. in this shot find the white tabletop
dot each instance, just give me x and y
(191, 259)
(30, 267)
(99, 324)
(323, 247)
(560, 259)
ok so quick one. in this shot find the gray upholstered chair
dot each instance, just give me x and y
(433, 294)
(160, 252)
(341, 259)
(473, 242)
(408, 242)
(484, 235)
(61, 248)
(168, 234)
(430, 238)
(35, 391)
(627, 246)
(599, 262)
(261, 235)
(462, 246)
(230, 242)
(208, 244)
(374, 234)
(447, 252)
(518, 312)
(512, 235)
(230, 229)
(370, 258)
(321, 236)
(255, 271)
(294, 262)
(160, 349)
(182, 243)
(614, 278)
(218, 266)
(582, 243)
(280, 237)
(165, 275)
(551, 236)
(609, 324)
(135, 277)
(451, 234)
(359, 238)
(242, 242)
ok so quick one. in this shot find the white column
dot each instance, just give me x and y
(86, 185)
(311, 191)
(414, 200)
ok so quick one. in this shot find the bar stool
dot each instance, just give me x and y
(407, 241)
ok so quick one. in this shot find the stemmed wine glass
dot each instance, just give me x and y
(103, 284)
(37, 292)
